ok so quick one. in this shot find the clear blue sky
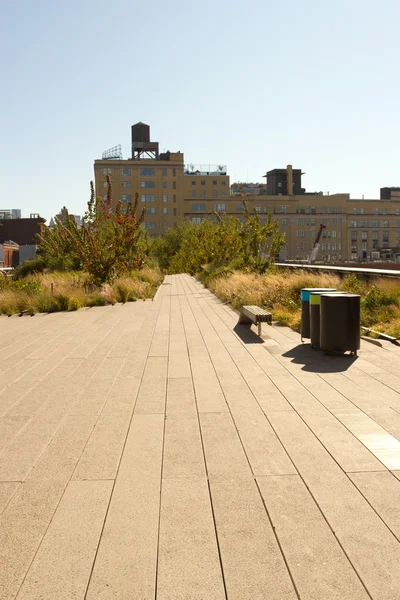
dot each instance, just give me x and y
(307, 82)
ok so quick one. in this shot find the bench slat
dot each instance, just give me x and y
(256, 314)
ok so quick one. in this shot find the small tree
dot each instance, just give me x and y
(106, 244)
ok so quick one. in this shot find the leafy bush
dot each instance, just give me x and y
(29, 267)
(106, 245)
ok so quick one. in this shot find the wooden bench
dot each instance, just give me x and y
(254, 314)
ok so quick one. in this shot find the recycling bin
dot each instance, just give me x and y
(305, 309)
(315, 313)
(340, 323)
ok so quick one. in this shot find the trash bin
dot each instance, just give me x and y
(315, 303)
(305, 309)
(340, 323)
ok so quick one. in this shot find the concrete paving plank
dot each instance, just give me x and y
(126, 562)
(62, 566)
(253, 565)
(372, 549)
(319, 566)
(224, 453)
(183, 451)
(101, 456)
(180, 398)
(188, 563)
(7, 491)
(382, 490)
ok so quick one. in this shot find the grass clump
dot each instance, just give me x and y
(279, 292)
(68, 291)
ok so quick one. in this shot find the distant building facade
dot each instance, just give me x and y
(356, 229)
(19, 234)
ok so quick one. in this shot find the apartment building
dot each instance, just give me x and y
(356, 229)
(162, 180)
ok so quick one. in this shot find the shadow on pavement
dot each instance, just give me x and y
(247, 335)
(315, 361)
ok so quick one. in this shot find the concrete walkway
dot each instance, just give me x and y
(156, 450)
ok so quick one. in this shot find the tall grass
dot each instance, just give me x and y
(59, 291)
(279, 292)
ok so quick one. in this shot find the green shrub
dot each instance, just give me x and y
(30, 267)
(63, 301)
(74, 304)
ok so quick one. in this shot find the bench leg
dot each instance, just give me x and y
(259, 329)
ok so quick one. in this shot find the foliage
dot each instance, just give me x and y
(189, 247)
(279, 291)
(105, 246)
(60, 291)
(30, 266)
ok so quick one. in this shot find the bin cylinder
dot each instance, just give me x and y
(340, 322)
(315, 313)
(305, 308)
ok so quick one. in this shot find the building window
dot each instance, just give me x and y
(219, 207)
(214, 194)
(108, 172)
(353, 223)
(193, 182)
(363, 223)
(385, 223)
(197, 220)
(239, 208)
(223, 194)
(354, 236)
(173, 172)
(377, 211)
(284, 209)
(203, 193)
(384, 211)
(385, 239)
(283, 222)
(279, 183)
(397, 211)
(147, 172)
(215, 182)
(194, 193)
(199, 207)
(202, 182)
(174, 212)
(126, 184)
(323, 210)
(174, 185)
(165, 224)
(223, 182)
(165, 210)
(149, 224)
(147, 184)
(165, 198)
(164, 184)
(126, 197)
(397, 223)
(354, 211)
(148, 198)
(364, 235)
(174, 198)
(151, 210)
(374, 223)
(362, 211)
(257, 209)
(334, 233)
(126, 172)
(105, 184)
(164, 171)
